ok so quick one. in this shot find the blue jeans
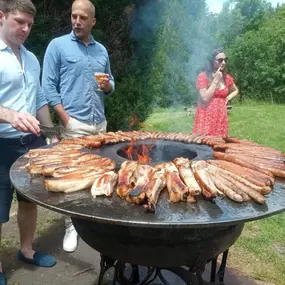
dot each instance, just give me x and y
(10, 151)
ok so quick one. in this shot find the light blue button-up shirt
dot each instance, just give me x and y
(68, 77)
(19, 85)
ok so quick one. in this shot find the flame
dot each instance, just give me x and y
(131, 149)
(142, 152)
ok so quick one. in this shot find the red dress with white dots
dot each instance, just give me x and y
(212, 119)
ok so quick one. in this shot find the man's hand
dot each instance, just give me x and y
(65, 120)
(105, 85)
(24, 122)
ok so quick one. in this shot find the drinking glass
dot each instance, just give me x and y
(98, 77)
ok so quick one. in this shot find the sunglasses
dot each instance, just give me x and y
(220, 60)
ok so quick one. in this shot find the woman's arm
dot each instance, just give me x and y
(233, 92)
(206, 94)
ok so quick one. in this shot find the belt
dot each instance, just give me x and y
(22, 140)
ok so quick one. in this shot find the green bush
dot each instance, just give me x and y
(115, 25)
(257, 60)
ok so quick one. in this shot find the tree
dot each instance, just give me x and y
(257, 60)
(178, 52)
(114, 23)
(239, 17)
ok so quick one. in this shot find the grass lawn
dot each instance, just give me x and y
(260, 251)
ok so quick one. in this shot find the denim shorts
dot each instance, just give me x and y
(10, 151)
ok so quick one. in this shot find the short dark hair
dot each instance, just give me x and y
(10, 6)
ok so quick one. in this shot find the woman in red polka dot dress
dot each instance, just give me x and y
(216, 88)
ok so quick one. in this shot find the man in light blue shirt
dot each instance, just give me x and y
(69, 84)
(22, 107)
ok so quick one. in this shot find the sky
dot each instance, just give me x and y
(216, 5)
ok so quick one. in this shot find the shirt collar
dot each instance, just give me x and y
(4, 46)
(74, 38)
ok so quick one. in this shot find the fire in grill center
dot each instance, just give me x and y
(156, 152)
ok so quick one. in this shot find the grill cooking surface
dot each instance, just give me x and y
(118, 211)
(162, 151)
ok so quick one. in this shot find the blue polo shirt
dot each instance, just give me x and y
(68, 77)
(20, 85)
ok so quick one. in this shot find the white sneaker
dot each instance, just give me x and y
(70, 239)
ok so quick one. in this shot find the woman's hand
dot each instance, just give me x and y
(217, 76)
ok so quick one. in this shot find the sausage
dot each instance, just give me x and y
(254, 195)
(262, 190)
(226, 190)
(215, 172)
(253, 176)
(240, 162)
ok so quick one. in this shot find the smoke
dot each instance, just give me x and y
(173, 40)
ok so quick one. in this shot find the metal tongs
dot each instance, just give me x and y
(51, 132)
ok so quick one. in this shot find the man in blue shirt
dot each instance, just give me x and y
(22, 107)
(69, 68)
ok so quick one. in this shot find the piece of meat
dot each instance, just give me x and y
(70, 184)
(254, 195)
(153, 189)
(67, 146)
(187, 175)
(126, 179)
(225, 189)
(255, 154)
(209, 190)
(45, 152)
(54, 157)
(262, 190)
(248, 147)
(177, 190)
(260, 160)
(232, 158)
(48, 169)
(276, 168)
(104, 184)
(253, 176)
(143, 174)
(37, 168)
(215, 173)
(101, 162)
(74, 170)
(191, 199)
(81, 141)
(228, 139)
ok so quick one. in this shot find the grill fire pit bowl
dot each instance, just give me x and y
(178, 237)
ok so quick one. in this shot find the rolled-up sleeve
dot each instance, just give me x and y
(41, 100)
(112, 81)
(51, 74)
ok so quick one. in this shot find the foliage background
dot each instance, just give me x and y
(157, 48)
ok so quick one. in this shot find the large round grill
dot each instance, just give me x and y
(191, 234)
